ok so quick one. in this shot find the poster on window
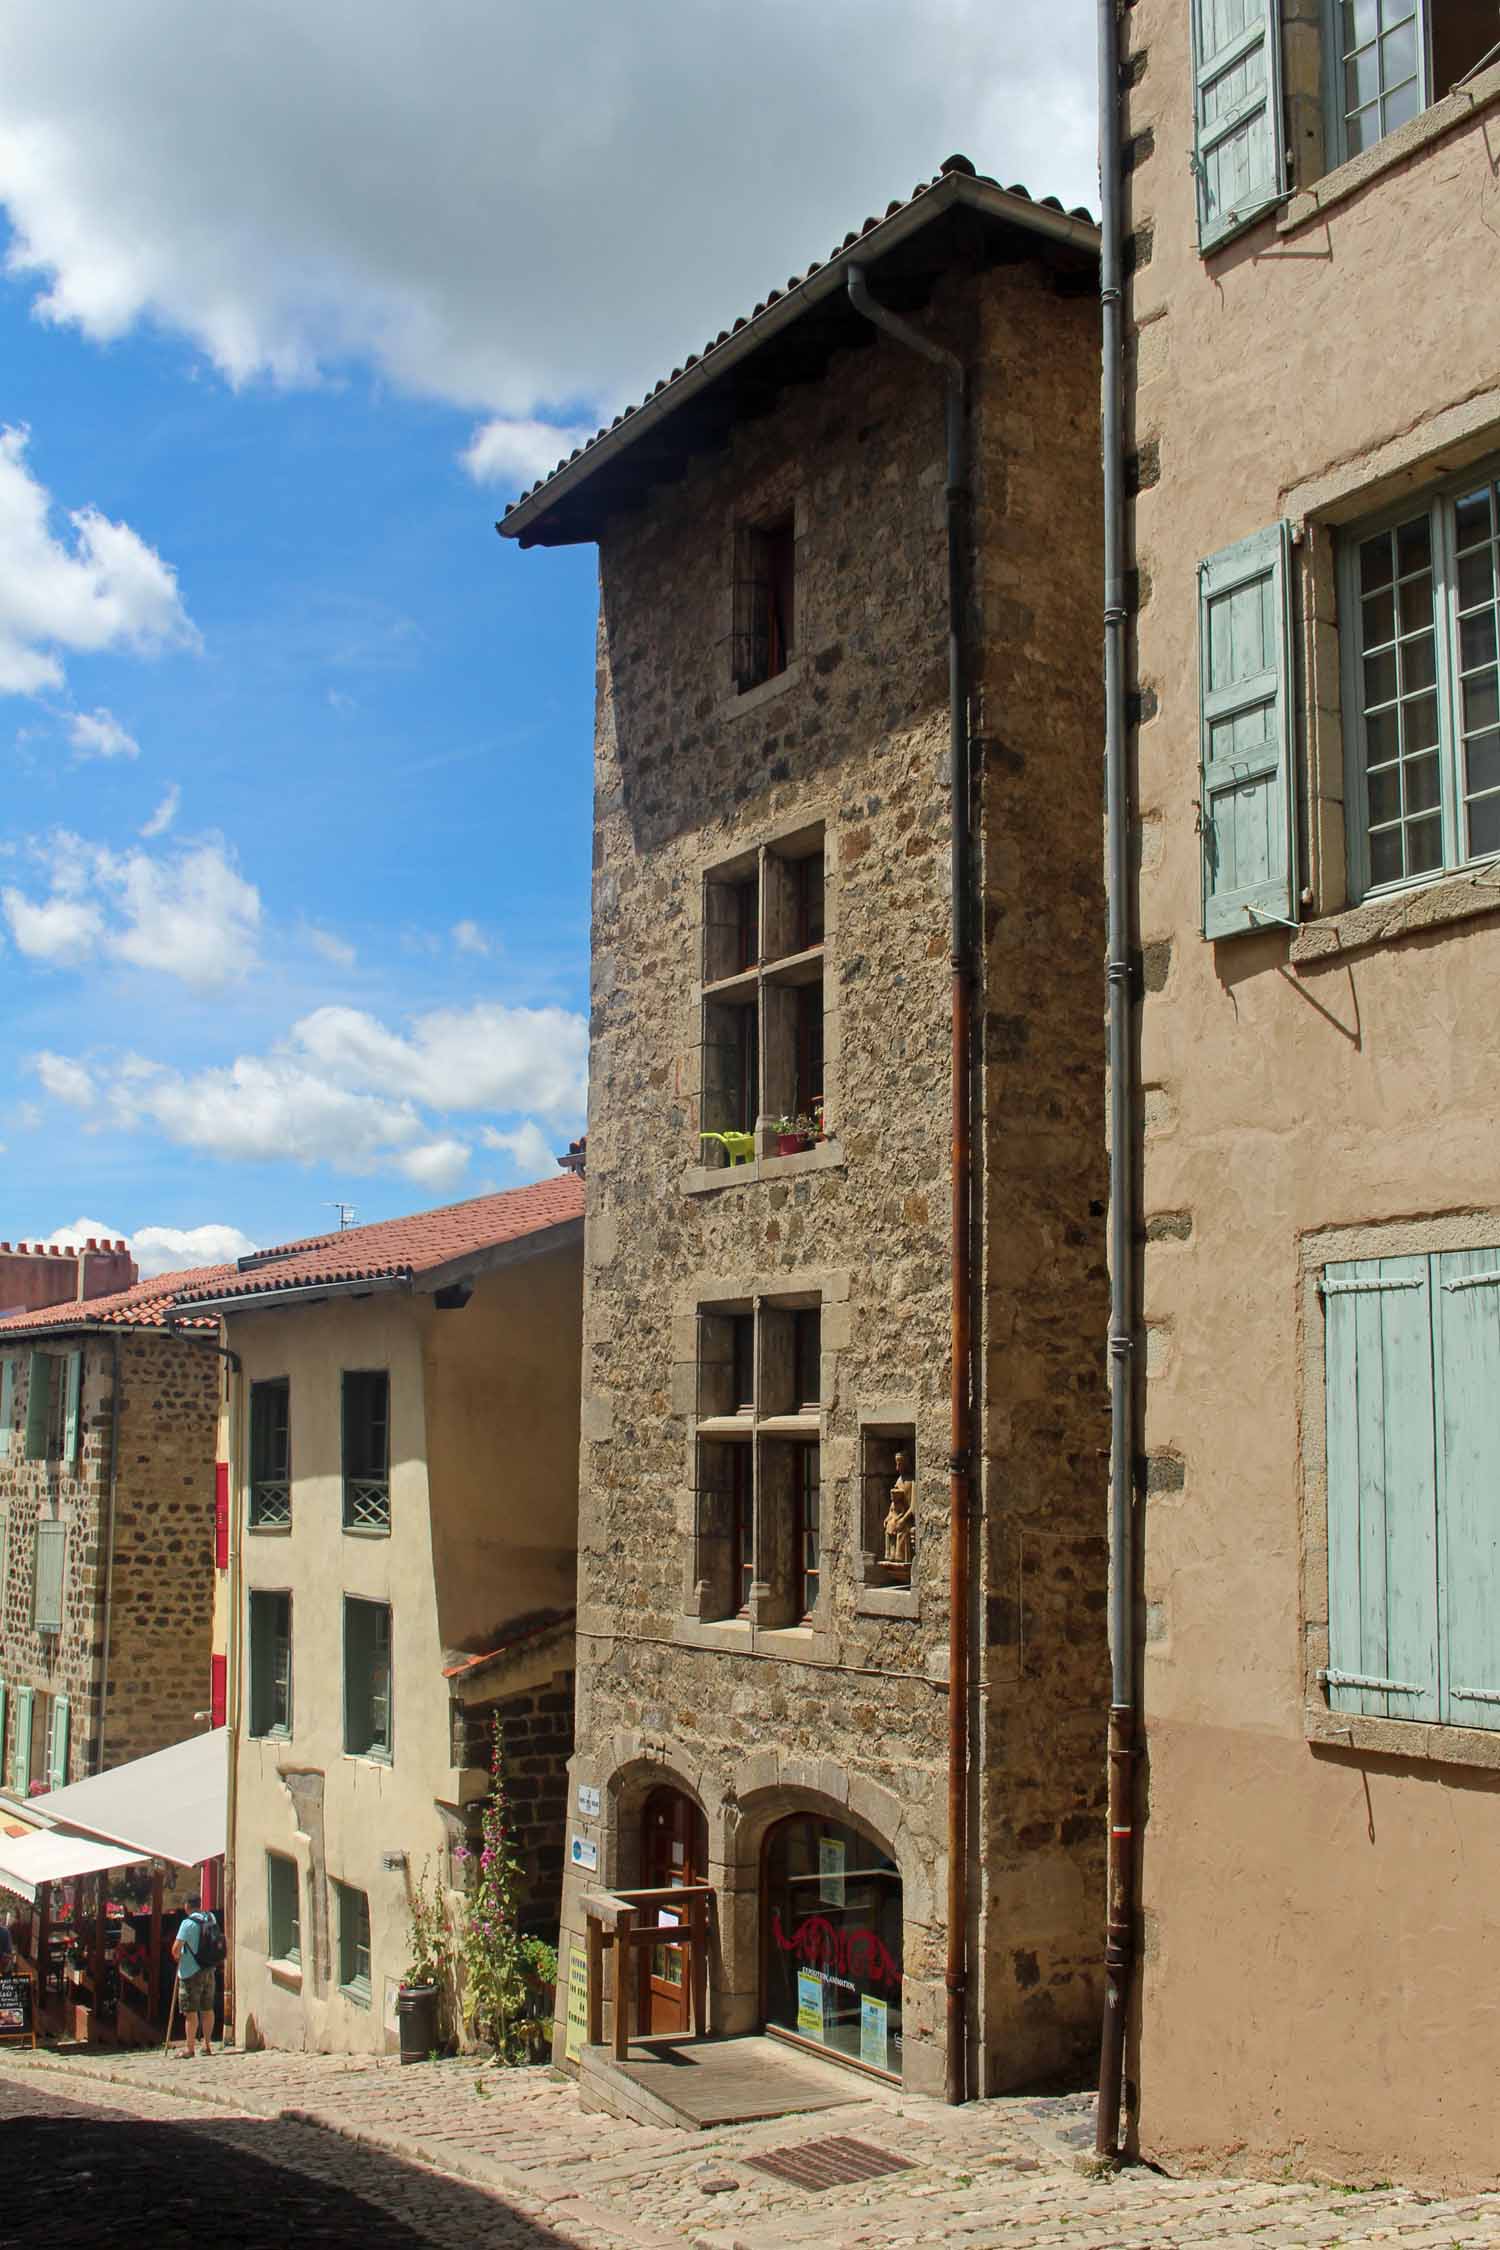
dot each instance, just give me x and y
(578, 2003)
(831, 1863)
(810, 2004)
(874, 2020)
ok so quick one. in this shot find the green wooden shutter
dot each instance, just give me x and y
(4, 1769)
(74, 1398)
(57, 1744)
(1382, 1489)
(1466, 1357)
(7, 1403)
(20, 1757)
(38, 1406)
(1247, 805)
(47, 1577)
(1239, 155)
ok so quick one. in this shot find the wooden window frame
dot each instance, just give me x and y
(763, 999)
(362, 1694)
(283, 1916)
(366, 1492)
(356, 1983)
(270, 1697)
(54, 1532)
(731, 1510)
(270, 1506)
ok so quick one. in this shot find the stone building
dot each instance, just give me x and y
(763, 1669)
(1313, 393)
(400, 1441)
(107, 1530)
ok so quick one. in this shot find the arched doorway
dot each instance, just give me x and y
(674, 1850)
(831, 1950)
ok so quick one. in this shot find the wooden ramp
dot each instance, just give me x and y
(697, 2083)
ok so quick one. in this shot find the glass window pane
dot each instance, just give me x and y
(1380, 679)
(1374, 563)
(1482, 761)
(1382, 737)
(1398, 54)
(1379, 619)
(1414, 545)
(1385, 856)
(1384, 793)
(1481, 703)
(1362, 78)
(1361, 22)
(1473, 518)
(1421, 784)
(1416, 603)
(1476, 640)
(1363, 129)
(1424, 845)
(1476, 577)
(1418, 663)
(1419, 724)
(1484, 826)
(1402, 106)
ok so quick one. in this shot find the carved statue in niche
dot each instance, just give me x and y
(900, 1517)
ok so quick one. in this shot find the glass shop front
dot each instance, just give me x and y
(833, 1941)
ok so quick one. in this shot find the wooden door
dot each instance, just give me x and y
(674, 1849)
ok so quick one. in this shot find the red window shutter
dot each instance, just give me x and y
(221, 1515)
(218, 1693)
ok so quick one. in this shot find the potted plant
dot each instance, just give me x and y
(793, 1134)
(419, 1995)
(539, 1974)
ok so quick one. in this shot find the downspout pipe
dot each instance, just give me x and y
(960, 1463)
(109, 1555)
(1119, 1940)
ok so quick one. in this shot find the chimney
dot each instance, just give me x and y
(34, 1276)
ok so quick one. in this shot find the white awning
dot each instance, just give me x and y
(48, 1856)
(172, 1805)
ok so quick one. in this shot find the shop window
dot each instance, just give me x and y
(354, 1943)
(763, 997)
(367, 1679)
(888, 1494)
(270, 1639)
(765, 595)
(283, 1887)
(833, 1941)
(270, 1456)
(758, 1498)
(367, 1457)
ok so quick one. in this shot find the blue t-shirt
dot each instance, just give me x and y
(190, 1930)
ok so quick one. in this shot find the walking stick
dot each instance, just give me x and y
(171, 2018)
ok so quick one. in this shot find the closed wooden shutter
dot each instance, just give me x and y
(38, 1406)
(7, 1403)
(20, 1756)
(1466, 1360)
(73, 1422)
(1239, 138)
(4, 1769)
(218, 1689)
(47, 1580)
(57, 1744)
(1247, 802)
(221, 1515)
(1382, 1489)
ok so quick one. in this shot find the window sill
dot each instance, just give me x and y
(887, 1601)
(287, 1973)
(730, 1633)
(1309, 204)
(711, 1179)
(269, 1530)
(736, 1636)
(367, 1531)
(1396, 914)
(1401, 1738)
(381, 1758)
(270, 1734)
(357, 1995)
(739, 705)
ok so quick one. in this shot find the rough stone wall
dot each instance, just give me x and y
(162, 1626)
(848, 1713)
(1330, 1903)
(536, 1734)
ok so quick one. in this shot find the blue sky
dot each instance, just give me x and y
(294, 868)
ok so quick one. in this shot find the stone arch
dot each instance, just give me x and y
(771, 1786)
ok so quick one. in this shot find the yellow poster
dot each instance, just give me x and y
(578, 2003)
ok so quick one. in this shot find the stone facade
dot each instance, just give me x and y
(536, 1744)
(141, 1684)
(843, 1712)
(1319, 1935)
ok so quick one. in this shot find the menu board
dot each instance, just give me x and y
(17, 2008)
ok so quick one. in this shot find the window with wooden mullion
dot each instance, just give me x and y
(270, 1456)
(807, 1529)
(366, 1445)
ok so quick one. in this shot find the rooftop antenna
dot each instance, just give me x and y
(346, 1212)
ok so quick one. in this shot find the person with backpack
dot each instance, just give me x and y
(198, 1948)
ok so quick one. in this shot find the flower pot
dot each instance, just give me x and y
(792, 1144)
(416, 2020)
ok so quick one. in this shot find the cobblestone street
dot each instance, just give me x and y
(278, 2148)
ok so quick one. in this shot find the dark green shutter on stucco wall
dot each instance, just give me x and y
(1239, 142)
(1247, 800)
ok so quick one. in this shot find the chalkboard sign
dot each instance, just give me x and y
(17, 2008)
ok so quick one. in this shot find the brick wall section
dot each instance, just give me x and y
(860, 739)
(536, 1744)
(163, 1580)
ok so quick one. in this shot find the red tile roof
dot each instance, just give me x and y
(145, 1306)
(399, 1249)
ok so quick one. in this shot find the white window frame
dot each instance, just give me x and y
(1336, 119)
(1439, 502)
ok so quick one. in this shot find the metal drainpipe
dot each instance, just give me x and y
(961, 1405)
(1119, 1944)
(109, 1555)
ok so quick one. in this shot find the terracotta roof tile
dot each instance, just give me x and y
(404, 1248)
(145, 1306)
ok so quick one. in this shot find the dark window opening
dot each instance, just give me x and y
(270, 1664)
(731, 1072)
(367, 1459)
(807, 1084)
(746, 922)
(270, 1456)
(367, 1679)
(807, 893)
(1464, 32)
(742, 1327)
(742, 1526)
(807, 1529)
(807, 1359)
(764, 601)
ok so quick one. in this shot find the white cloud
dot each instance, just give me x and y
(485, 1057)
(99, 734)
(61, 930)
(334, 949)
(514, 454)
(436, 1164)
(164, 815)
(191, 916)
(336, 188)
(469, 938)
(103, 589)
(65, 1080)
(528, 1149)
(159, 1249)
(262, 1107)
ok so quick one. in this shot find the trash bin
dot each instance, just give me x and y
(416, 2017)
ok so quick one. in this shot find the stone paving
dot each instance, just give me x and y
(1002, 2173)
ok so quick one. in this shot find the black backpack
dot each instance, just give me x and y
(209, 1944)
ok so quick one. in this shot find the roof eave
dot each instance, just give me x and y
(523, 520)
(541, 1242)
(300, 1293)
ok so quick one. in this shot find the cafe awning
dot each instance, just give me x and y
(49, 1856)
(171, 1805)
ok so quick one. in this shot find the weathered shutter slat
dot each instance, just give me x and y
(1382, 1492)
(1247, 801)
(1239, 155)
(1466, 1356)
(3, 1694)
(7, 1403)
(72, 1427)
(47, 1577)
(20, 1757)
(38, 1405)
(57, 1744)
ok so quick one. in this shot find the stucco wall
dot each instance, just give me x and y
(1319, 1925)
(847, 1713)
